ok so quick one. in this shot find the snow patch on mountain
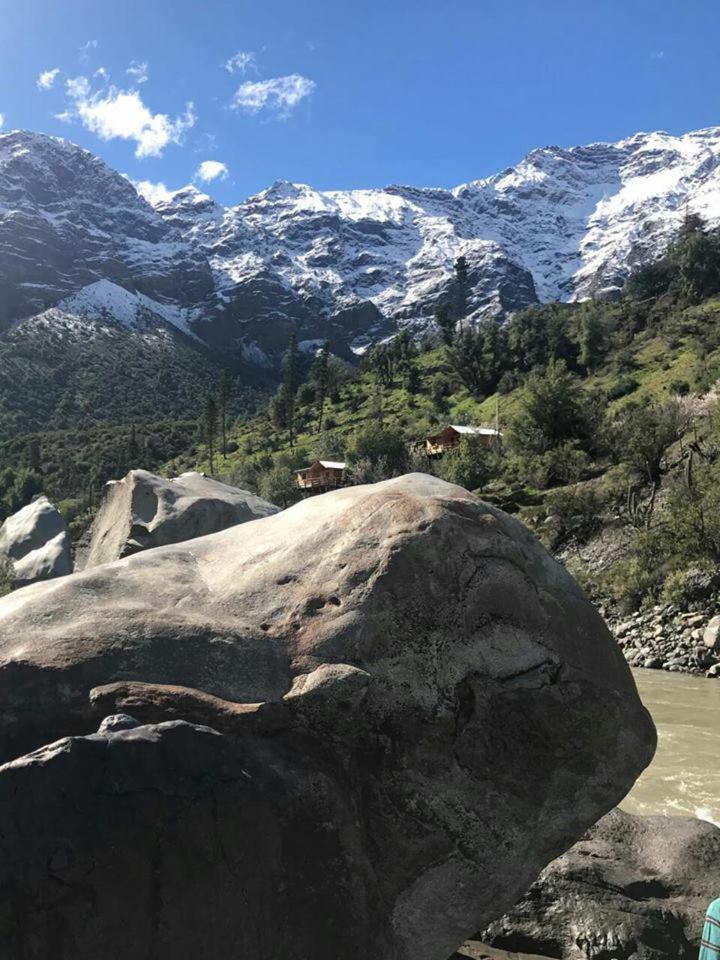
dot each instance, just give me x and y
(105, 300)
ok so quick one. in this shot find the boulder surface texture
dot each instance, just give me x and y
(143, 510)
(37, 542)
(634, 888)
(368, 722)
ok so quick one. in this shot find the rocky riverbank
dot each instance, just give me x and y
(667, 638)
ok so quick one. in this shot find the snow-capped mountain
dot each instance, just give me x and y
(347, 265)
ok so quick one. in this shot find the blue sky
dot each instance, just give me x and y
(341, 94)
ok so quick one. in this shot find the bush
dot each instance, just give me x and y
(679, 388)
(573, 515)
(377, 442)
(622, 387)
(471, 464)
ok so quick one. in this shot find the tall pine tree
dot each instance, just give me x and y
(321, 378)
(291, 382)
(225, 392)
(461, 276)
(210, 425)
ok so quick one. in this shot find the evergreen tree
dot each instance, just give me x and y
(590, 339)
(320, 377)
(291, 382)
(225, 392)
(446, 323)
(133, 451)
(478, 357)
(210, 426)
(33, 453)
(461, 275)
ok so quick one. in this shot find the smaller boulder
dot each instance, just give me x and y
(37, 543)
(633, 887)
(711, 636)
(143, 511)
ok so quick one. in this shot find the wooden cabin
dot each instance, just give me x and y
(322, 475)
(451, 436)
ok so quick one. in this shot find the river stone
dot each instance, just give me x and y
(416, 709)
(37, 542)
(634, 887)
(143, 510)
(711, 636)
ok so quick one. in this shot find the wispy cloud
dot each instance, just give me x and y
(241, 62)
(47, 79)
(101, 73)
(657, 55)
(2, 120)
(279, 95)
(153, 192)
(86, 47)
(138, 71)
(122, 114)
(211, 170)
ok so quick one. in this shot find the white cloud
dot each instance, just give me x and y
(47, 78)
(281, 94)
(240, 62)
(153, 192)
(85, 48)
(122, 114)
(102, 73)
(211, 170)
(77, 87)
(2, 120)
(138, 71)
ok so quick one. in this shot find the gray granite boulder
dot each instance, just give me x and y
(415, 709)
(37, 542)
(635, 888)
(143, 510)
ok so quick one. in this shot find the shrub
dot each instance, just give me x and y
(573, 515)
(679, 388)
(622, 387)
(469, 465)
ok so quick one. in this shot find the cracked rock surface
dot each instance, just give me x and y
(366, 724)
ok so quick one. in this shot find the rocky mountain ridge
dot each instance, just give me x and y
(350, 265)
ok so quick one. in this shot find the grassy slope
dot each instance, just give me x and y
(653, 360)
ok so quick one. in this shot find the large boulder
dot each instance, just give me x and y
(143, 510)
(634, 888)
(37, 542)
(424, 708)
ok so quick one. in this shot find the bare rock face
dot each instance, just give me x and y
(635, 888)
(143, 510)
(394, 708)
(37, 542)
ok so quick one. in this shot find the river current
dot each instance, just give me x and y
(684, 777)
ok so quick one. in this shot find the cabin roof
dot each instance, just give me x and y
(482, 431)
(326, 464)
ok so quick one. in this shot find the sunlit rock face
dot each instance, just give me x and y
(365, 724)
(35, 540)
(143, 511)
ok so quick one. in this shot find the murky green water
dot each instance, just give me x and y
(684, 777)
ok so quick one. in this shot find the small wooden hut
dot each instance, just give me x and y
(322, 475)
(451, 435)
